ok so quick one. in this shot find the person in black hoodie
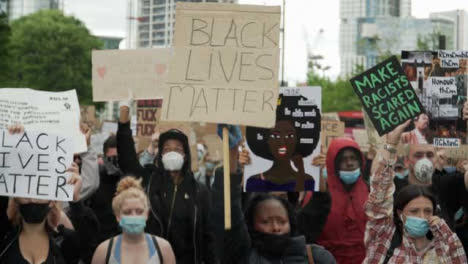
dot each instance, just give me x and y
(101, 201)
(179, 205)
(268, 231)
(31, 231)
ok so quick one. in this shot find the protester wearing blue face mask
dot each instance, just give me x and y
(426, 238)
(131, 207)
(343, 234)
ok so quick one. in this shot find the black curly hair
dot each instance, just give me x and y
(249, 214)
(259, 145)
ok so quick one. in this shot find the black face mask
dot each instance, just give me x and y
(270, 245)
(34, 213)
(111, 165)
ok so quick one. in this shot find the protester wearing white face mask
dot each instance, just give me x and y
(424, 237)
(131, 208)
(426, 168)
(179, 205)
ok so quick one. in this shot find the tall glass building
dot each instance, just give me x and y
(352, 14)
(19, 8)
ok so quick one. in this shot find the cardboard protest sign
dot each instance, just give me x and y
(225, 64)
(88, 115)
(282, 156)
(120, 74)
(362, 139)
(34, 164)
(387, 95)
(330, 130)
(146, 117)
(52, 112)
(440, 79)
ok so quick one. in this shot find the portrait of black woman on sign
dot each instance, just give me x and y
(295, 136)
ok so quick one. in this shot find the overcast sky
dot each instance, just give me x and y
(303, 17)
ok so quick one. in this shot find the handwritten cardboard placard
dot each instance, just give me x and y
(330, 130)
(387, 95)
(120, 74)
(147, 113)
(225, 64)
(282, 156)
(88, 115)
(52, 112)
(34, 164)
(361, 137)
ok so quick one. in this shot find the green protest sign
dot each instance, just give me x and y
(387, 95)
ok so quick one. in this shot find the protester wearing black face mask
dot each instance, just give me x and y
(101, 201)
(266, 233)
(30, 231)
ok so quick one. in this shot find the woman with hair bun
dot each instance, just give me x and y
(131, 207)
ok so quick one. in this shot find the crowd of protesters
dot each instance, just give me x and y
(152, 208)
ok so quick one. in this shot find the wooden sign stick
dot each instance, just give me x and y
(227, 180)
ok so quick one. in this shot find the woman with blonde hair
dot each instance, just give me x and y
(32, 230)
(131, 207)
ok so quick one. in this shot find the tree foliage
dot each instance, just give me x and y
(4, 39)
(51, 51)
(337, 95)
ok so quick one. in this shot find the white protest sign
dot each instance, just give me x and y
(53, 112)
(141, 71)
(225, 64)
(281, 157)
(451, 59)
(34, 164)
(443, 87)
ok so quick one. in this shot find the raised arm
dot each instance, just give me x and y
(128, 159)
(379, 206)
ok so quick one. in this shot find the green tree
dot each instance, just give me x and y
(4, 39)
(337, 95)
(51, 51)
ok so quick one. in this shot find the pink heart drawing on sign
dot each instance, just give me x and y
(102, 72)
(160, 69)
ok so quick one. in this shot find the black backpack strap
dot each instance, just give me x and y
(158, 249)
(109, 250)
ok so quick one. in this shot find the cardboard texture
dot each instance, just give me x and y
(121, 74)
(330, 130)
(387, 95)
(225, 64)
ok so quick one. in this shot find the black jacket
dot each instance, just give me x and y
(66, 247)
(101, 203)
(184, 219)
(235, 246)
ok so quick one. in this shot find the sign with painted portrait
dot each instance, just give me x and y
(282, 156)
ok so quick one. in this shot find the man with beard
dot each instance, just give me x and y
(101, 201)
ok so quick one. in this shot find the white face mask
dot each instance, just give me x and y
(173, 161)
(423, 170)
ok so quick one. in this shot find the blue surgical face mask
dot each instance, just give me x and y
(416, 226)
(350, 177)
(133, 225)
(209, 165)
(402, 175)
(450, 169)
